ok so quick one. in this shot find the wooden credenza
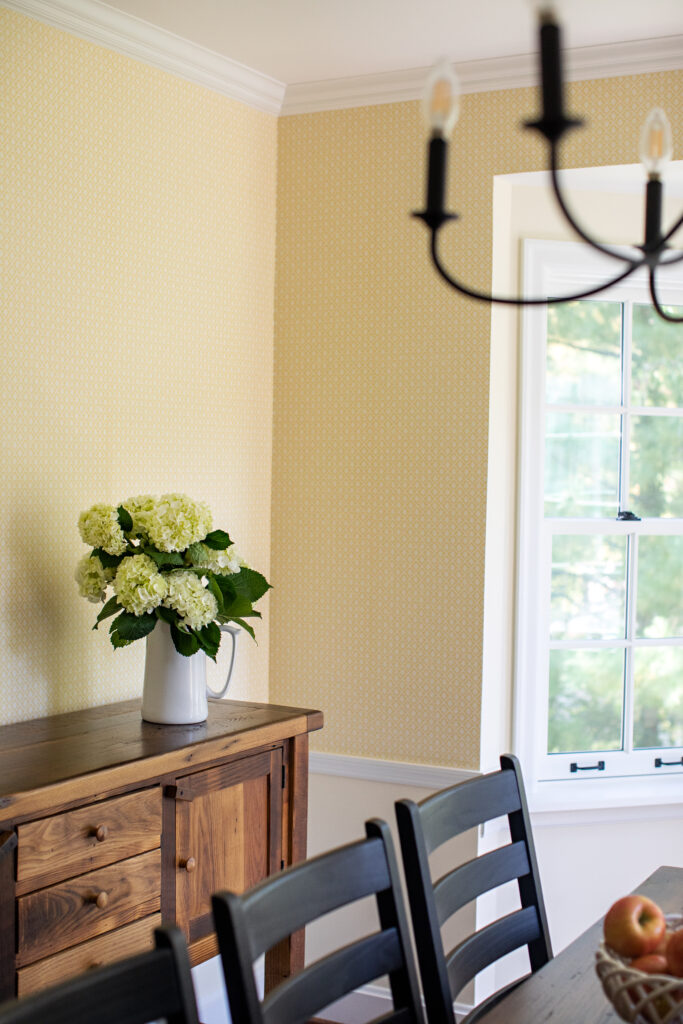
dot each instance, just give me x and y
(110, 825)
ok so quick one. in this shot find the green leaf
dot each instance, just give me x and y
(244, 625)
(107, 560)
(166, 615)
(185, 643)
(118, 641)
(164, 558)
(250, 583)
(228, 591)
(214, 588)
(110, 608)
(125, 519)
(218, 540)
(240, 606)
(133, 627)
(209, 639)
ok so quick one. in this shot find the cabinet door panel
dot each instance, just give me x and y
(228, 828)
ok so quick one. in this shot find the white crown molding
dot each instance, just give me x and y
(400, 773)
(101, 24)
(632, 58)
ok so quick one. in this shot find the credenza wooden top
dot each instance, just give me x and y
(50, 761)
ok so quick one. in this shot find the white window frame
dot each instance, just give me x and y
(556, 268)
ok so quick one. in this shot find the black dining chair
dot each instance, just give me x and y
(148, 987)
(249, 924)
(426, 826)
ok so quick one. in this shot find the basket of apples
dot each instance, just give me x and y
(640, 962)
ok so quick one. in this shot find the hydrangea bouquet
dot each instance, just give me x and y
(163, 560)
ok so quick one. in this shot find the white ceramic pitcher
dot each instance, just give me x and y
(175, 690)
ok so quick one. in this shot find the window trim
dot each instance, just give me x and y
(556, 267)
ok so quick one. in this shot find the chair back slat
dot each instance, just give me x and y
(251, 923)
(462, 885)
(284, 904)
(466, 806)
(147, 987)
(490, 944)
(424, 828)
(327, 980)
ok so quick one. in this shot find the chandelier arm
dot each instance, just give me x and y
(674, 259)
(672, 231)
(657, 304)
(572, 221)
(509, 300)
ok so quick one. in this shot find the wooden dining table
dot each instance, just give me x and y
(567, 990)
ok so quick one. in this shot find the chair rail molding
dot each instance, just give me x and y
(132, 37)
(401, 773)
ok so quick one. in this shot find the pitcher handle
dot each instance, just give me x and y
(218, 694)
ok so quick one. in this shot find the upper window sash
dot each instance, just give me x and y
(556, 268)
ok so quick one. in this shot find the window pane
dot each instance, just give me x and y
(657, 369)
(584, 353)
(656, 487)
(582, 464)
(659, 607)
(588, 588)
(658, 690)
(585, 702)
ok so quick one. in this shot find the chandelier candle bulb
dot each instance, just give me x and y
(656, 146)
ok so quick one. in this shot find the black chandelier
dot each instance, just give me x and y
(441, 110)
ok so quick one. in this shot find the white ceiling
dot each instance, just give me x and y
(297, 41)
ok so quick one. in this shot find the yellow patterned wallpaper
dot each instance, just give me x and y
(381, 411)
(137, 233)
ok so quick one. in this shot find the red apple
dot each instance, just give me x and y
(651, 963)
(674, 953)
(634, 925)
(660, 948)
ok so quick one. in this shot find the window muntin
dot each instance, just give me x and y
(601, 600)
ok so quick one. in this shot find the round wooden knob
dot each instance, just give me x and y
(190, 864)
(100, 899)
(100, 832)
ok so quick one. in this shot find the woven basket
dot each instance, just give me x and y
(640, 998)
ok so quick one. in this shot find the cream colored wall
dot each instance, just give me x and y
(137, 237)
(381, 412)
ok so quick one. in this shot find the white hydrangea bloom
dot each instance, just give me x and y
(224, 562)
(140, 508)
(177, 521)
(187, 595)
(138, 584)
(92, 578)
(99, 527)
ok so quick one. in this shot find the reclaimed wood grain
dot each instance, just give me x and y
(63, 845)
(8, 843)
(54, 760)
(73, 911)
(105, 949)
(224, 818)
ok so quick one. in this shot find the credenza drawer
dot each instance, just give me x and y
(83, 907)
(105, 949)
(68, 844)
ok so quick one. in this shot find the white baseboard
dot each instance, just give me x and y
(427, 776)
(370, 1002)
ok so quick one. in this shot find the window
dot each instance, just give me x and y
(599, 666)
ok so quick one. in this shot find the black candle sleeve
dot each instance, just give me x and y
(436, 174)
